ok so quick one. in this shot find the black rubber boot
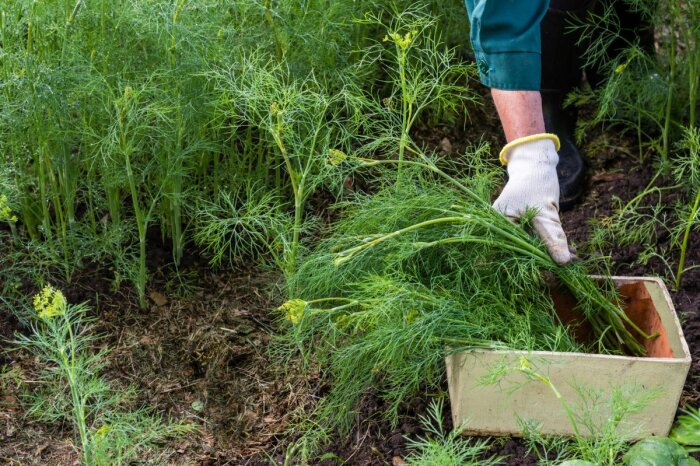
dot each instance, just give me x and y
(561, 73)
(571, 167)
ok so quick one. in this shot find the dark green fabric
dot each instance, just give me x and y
(505, 36)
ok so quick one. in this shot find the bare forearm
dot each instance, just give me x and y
(520, 112)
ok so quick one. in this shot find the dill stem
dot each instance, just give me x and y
(405, 106)
(69, 367)
(558, 395)
(672, 75)
(348, 253)
(297, 190)
(325, 300)
(271, 23)
(686, 236)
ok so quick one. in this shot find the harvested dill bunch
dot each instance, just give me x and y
(430, 268)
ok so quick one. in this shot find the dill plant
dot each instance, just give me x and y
(301, 122)
(72, 387)
(655, 95)
(602, 418)
(422, 73)
(100, 171)
(648, 217)
(248, 223)
(429, 268)
(446, 448)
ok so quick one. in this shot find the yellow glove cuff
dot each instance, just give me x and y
(534, 137)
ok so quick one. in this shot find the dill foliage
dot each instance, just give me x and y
(422, 268)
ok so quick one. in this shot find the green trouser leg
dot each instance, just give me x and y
(505, 36)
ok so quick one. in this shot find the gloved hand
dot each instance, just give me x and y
(532, 183)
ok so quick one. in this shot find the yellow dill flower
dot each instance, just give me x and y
(275, 109)
(336, 157)
(102, 431)
(293, 310)
(49, 302)
(402, 41)
(606, 221)
(128, 92)
(5, 210)
(525, 365)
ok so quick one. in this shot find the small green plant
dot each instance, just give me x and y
(599, 420)
(643, 220)
(249, 223)
(440, 447)
(658, 450)
(73, 388)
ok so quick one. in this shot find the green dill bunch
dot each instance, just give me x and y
(424, 269)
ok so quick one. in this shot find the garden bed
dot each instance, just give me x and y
(177, 354)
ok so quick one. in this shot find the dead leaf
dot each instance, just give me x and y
(40, 449)
(397, 461)
(269, 420)
(349, 183)
(158, 298)
(146, 340)
(9, 402)
(446, 146)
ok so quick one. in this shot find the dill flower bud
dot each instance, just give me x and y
(402, 41)
(49, 302)
(525, 365)
(293, 310)
(336, 157)
(5, 210)
(103, 430)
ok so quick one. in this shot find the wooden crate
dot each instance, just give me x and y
(495, 409)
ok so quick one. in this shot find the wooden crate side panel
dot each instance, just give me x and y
(495, 409)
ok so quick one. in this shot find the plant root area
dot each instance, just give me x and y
(200, 352)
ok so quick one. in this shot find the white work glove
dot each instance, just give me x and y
(532, 183)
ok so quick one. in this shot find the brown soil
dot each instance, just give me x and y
(200, 352)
